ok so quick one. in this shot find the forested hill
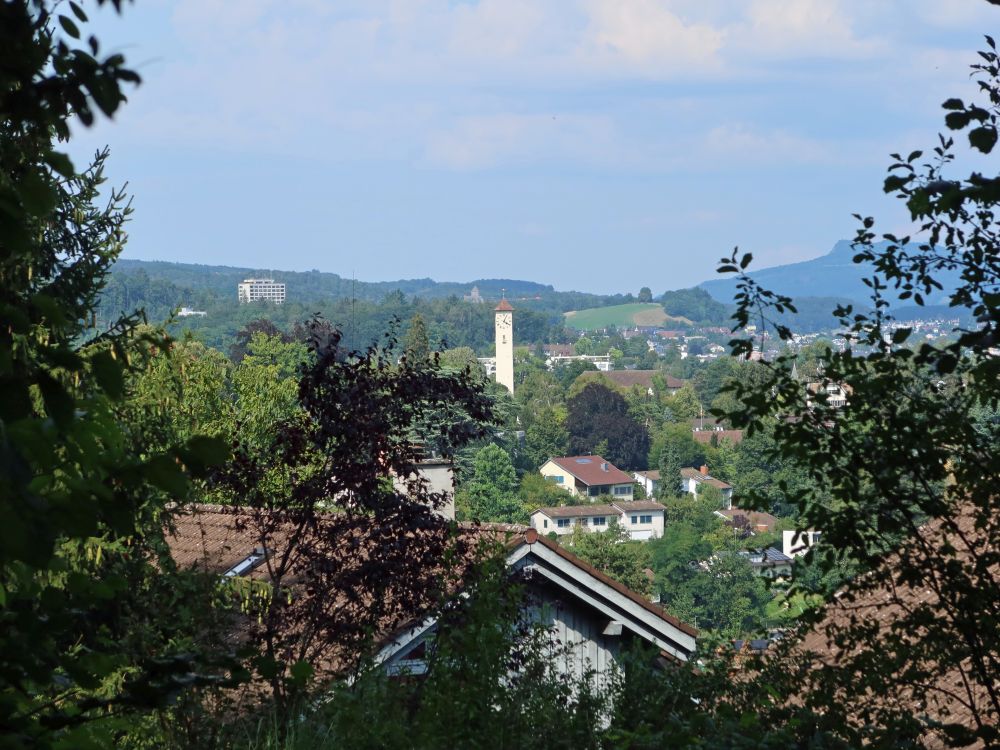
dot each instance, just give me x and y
(831, 275)
(204, 282)
(364, 310)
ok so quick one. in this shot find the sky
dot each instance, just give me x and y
(595, 145)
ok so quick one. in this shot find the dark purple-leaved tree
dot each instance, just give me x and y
(598, 419)
(354, 543)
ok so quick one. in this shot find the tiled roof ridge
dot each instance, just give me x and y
(533, 537)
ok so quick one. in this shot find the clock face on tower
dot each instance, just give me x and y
(503, 322)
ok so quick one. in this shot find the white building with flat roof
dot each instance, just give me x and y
(255, 290)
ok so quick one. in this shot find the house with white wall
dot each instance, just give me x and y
(593, 619)
(588, 476)
(695, 479)
(797, 543)
(642, 519)
(648, 480)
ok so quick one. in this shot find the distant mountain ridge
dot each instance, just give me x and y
(831, 275)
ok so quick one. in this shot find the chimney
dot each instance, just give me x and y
(704, 470)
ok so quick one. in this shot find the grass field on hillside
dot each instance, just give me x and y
(635, 314)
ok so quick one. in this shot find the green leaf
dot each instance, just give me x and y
(983, 138)
(58, 403)
(953, 104)
(165, 473)
(203, 452)
(60, 163)
(957, 120)
(300, 672)
(108, 373)
(78, 11)
(38, 196)
(69, 27)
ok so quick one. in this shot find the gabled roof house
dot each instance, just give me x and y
(642, 519)
(588, 476)
(591, 617)
(694, 479)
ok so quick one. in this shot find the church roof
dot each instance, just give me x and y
(504, 306)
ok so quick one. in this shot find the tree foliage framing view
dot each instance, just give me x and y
(105, 641)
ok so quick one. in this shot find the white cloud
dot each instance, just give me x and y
(743, 144)
(644, 37)
(482, 141)
(801, 28)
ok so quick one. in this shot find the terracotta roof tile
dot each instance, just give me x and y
(591, 470)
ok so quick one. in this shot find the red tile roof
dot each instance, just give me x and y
(905, 611)
(627, 506)
(578, 511)
(590, 470)
(591, 509)
(215, 538)
(503, 306)
(755, 520)
(705, 436)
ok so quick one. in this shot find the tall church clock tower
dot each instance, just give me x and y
(505, 344)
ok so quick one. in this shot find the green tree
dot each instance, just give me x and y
(728, 597)
(903, 466)
(460, 358)
(684, 405)
(540, 393)
(546, 438)
(81, 507)
(537, 492)
(568, 373)
(670, 472)
(645, 295)
(612, 552)
(491, 493)
(417, 345)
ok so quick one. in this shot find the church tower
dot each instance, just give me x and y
(505, 344)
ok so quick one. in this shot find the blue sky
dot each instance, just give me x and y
(599, 145)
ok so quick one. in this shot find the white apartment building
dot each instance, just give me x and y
(268, 290)
(642, 519)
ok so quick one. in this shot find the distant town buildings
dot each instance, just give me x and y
(474, 297)
(601, 362)
(187, 312)
(255, 290)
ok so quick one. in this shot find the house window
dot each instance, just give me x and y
(556, 479)
(562, 523)
(635, 519)
(545, 523)
(625, 489)
(646, 519)
(594, 491)
(600, 521)
(584, 522)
